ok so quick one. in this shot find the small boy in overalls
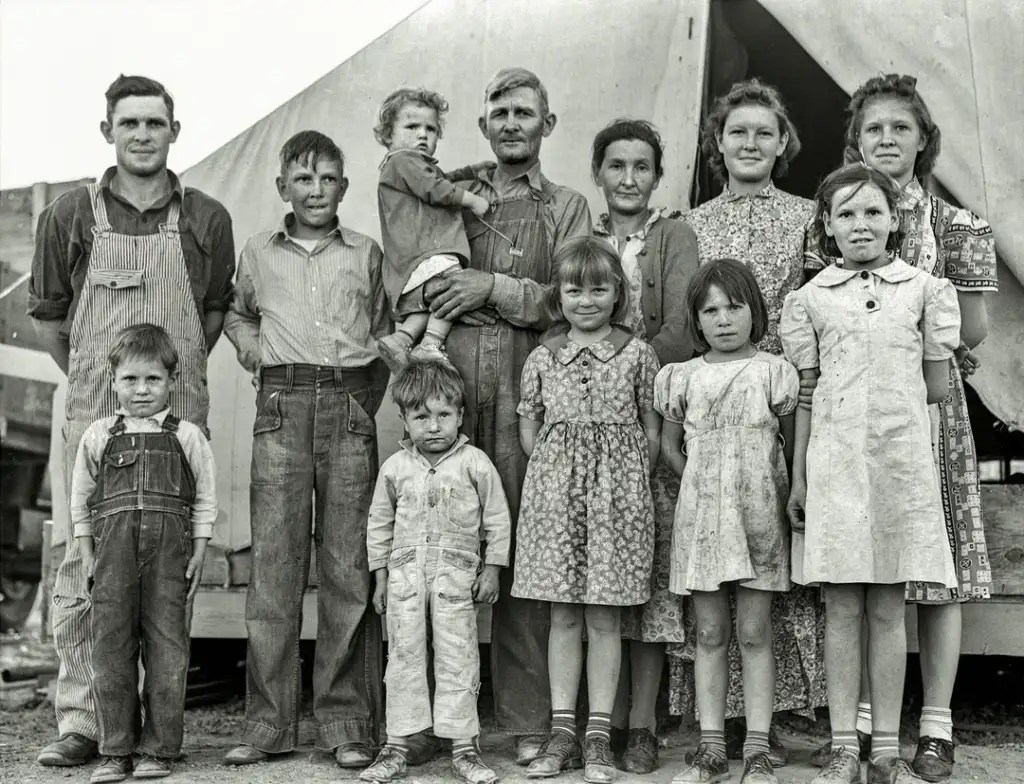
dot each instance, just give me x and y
(143, 504)
(435, 499)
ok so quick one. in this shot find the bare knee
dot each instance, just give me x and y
(844, 603)
(885, 605)
(754, 633)
(603, 621)
(712, 634)
(566, 617)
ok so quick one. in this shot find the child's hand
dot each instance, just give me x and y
(478, 205)
(380, 591)
(85, 546)
(797, 505)
(485, 589)
(484, 167)
(194, 570)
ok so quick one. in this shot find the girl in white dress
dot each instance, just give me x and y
(721, 433)
(865, 496)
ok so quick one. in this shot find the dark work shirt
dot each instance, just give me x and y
(64, 242)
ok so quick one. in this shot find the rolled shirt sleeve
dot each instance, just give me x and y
(941, 321)
(222, 267)
(84, 474)
(242, 322)
(200, 459)
(50, 288)
(496, 520)
(380, 525)
(799, 340)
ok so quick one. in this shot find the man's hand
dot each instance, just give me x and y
(797, 505)
(86, 548)
(380, 591)
(194, 570)
(459, 293)
(485, 589)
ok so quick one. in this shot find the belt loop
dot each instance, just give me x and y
(337, 376)
(289, 377)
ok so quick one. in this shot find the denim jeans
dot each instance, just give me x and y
(314, 463)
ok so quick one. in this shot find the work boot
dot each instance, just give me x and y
(641, 755)
(152, 768)
(421, 748)
(390, 764)
(559, 752)
(111, 769)
(244, 754)
(528, 747)
(882, 772)
(69, 750)
(471, 769)
(356, 754)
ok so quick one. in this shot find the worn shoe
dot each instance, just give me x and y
(356, 754)
(842, 767)
(390, 764)
(559, 752)
(882, 772)
(394, 350)
(705, 768)
(934, 759)
(69, 750)
(245, 754)
(598, 764)
(421, 748)
(471, 769)
(152, 768)
(823, 753)
(735, 737)
(641, 755)
(777, 753)
(111, 769)
(430, 353)
(528, 748)
(758, 769)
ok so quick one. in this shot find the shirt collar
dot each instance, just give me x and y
(767, 192)
(533, 176)
(392, 153)
(911, 196)
(601, 227)
(176, 187)
(895, 271)
(557, 341)
(283, 231)
(410, 447)
(158, 417)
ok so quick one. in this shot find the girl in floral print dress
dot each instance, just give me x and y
(585, 535)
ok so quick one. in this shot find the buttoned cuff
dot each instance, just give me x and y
(48, 309)
(83, 529)
(202, 530)
(496, 560)
(503, 292)
(378, 563)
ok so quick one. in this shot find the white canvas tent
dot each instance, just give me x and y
(602, 59)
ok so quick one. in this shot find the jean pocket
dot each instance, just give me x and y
(359, 422)
(268, 412)
(162, 473)
(120, 473)
(457, 577)
(463, 508)
(403, 582)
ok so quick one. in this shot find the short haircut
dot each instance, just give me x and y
(627, 130)
(422, 380)
(852, 174)
(512, 78)
(900, 88)
(140, 87)
(588, 261)
(393, 104)
(308, 147)
(146, 342)
(738, 283)
(752, 92)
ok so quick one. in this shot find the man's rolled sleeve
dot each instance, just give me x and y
(200, 459)
(242, 321)
(83, 477)
(496, 519)
(380, 524)
(222, 268)
(50, 291)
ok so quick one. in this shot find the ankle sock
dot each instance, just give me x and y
(847, 738)
(462, 747)
(715, 741)
(399, 744)
(599, 725)
(564, 721)
(864, 717)
(936, 723)
(755, 743)
(884, 745)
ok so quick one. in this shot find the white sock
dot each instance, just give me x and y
(936, 723)
(864, 717)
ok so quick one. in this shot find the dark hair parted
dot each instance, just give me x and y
(143, 341)
(422, 380)
(308, 147)
(588, 261)
(752, 92)
(139, 87)
(857, 175)
(625, 129)
(421, 96)
(738, 283)
(900, 88)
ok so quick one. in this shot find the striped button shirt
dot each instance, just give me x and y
(323, 306)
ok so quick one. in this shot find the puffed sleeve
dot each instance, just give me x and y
(968, 250)
(799, 340)
(941, 320)
(670, 392)
(531, 403)
(784, 388)
(646, 371)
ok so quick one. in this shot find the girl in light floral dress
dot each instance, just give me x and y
(585, 535)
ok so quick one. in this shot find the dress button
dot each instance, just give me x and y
(585, 362)
(865, 274)
(871, 304)
(431, 472)
(650, 282)
(113, 284)
(431, 504)
(584, 380)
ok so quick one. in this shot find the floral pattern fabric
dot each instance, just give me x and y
(585, 533)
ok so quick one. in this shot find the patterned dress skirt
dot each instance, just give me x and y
(957, 463)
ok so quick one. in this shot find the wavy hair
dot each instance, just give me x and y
(852, 174)
(393, 104)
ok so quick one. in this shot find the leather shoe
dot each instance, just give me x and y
(559, 752)
(421, 748)
(528, 748)
(245, 754)
(356, 754)
(68, 751)
(641, 755)
(934, 759)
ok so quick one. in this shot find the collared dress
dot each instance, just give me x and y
(873, 510)
(586, 525)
